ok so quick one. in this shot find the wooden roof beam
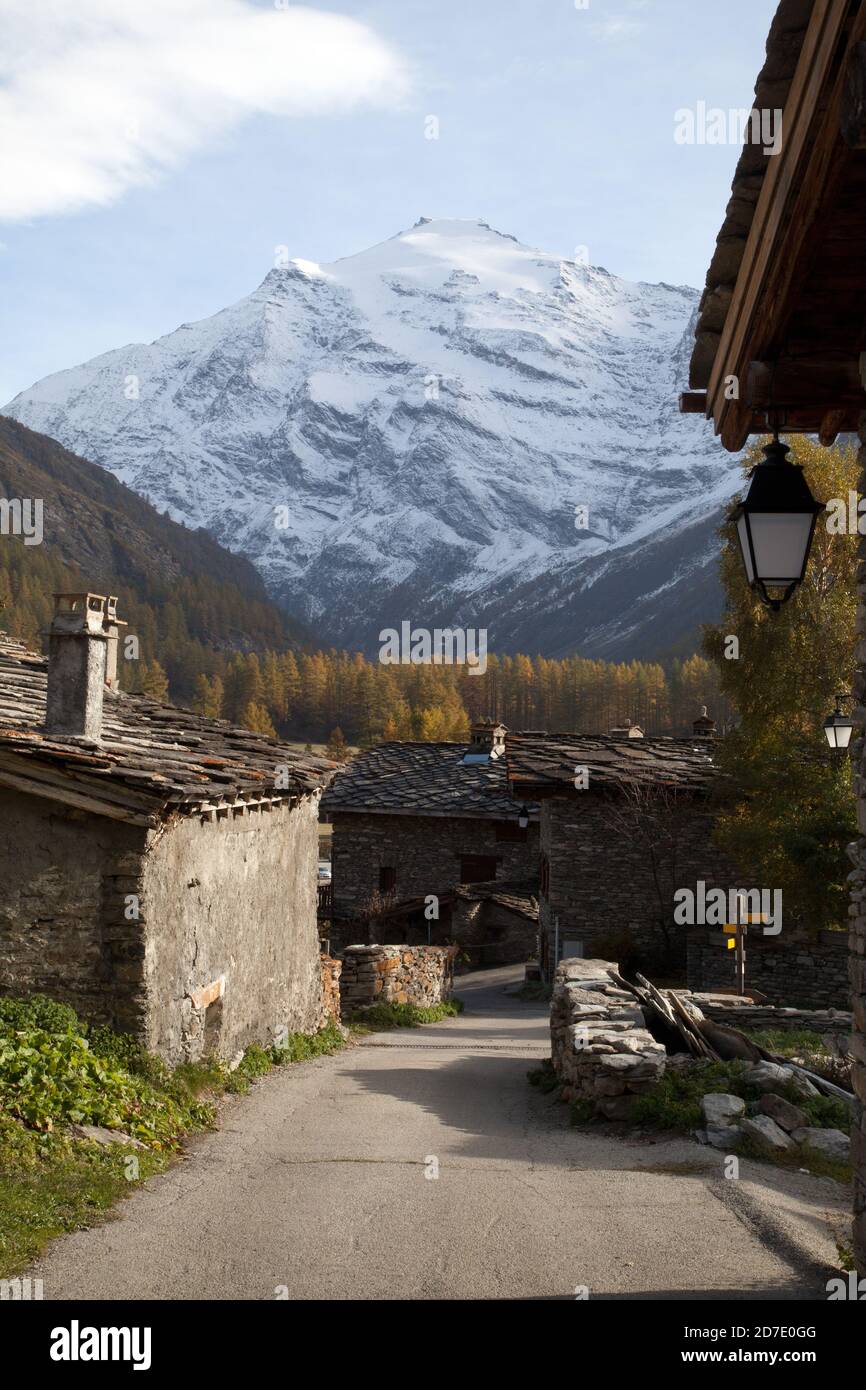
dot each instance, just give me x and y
(785, 213)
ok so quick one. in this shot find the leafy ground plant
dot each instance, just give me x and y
(56, 1072)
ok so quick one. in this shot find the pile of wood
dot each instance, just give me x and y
(679, 1024)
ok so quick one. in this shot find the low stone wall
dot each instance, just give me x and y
(797, 970)
(600, 1047)
(422, 975)
(331, 971)
(741, 1013)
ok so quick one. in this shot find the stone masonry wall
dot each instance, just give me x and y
(742, 1013)
(422, 975)
(64, 884)
(331, 971)
(790, 969)
(424, 850)
(600, 1048)
(229, 908)
(602, 883)
(857, 909)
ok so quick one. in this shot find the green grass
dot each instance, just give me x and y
(378, 1017)
(794, 1042)
(675, 1103)
(54, 1072)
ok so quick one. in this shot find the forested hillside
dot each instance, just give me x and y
(210, 637)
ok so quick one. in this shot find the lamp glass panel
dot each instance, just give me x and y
(743, 533)
(780, 541)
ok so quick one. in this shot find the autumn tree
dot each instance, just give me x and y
(790, 810)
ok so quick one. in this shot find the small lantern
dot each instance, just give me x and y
(839, 727)
(775, 526)
(523, 817)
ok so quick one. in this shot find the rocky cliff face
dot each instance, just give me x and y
(450, 428)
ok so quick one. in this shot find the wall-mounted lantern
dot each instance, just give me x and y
(775, 525)
(839, 727)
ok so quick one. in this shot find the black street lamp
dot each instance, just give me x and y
(839, 727)
(775, 526)
(523, 817)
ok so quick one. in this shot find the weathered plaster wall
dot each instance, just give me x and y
(793, 969)
(63, 925)
(602, 882)
(424, 850)
(422, 975)
(233, 898)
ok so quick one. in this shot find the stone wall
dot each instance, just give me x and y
(491, 933)
(601, 1050)
(425, 851)
(331, 970)
(602, 882)
(742, 1013)
(857, 909)
(66, 876)
(793, 969)
(422, 975)
(232, 901)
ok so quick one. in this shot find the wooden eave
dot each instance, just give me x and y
(795, 329)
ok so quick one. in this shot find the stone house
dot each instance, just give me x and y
(158, 867)
(411, 820)
(625, 822)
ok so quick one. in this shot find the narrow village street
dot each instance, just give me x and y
(317, 1186)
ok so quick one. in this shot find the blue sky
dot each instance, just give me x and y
(555, 124)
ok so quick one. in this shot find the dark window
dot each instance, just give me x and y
(510, 832)
(544, 867)
(387, 880)
(477, 868)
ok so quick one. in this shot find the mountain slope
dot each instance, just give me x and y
(100, 534)
(429, 414)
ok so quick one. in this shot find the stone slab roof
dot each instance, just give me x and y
(518, 896)
(784, 44)
(153, 759)
(422, 779)
(545, 764)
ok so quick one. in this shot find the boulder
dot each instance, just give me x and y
(767, 1133)
(789, 1116)
(726, 1137)
(832, 1143)
(720, 1110)
(769, 1076)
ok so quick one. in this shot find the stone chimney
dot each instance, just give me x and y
(111, 627)
(486, 736)
(704, 726)
(77, 646)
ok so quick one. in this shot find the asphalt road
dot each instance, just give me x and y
(319, 1184)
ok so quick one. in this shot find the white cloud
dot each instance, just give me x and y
(99, 96)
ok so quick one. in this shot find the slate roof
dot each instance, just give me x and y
(518, 895)
(545, 764)
(153, 759)
(422, 779)
(784, 45)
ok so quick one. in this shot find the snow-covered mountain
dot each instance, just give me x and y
(408, 433)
